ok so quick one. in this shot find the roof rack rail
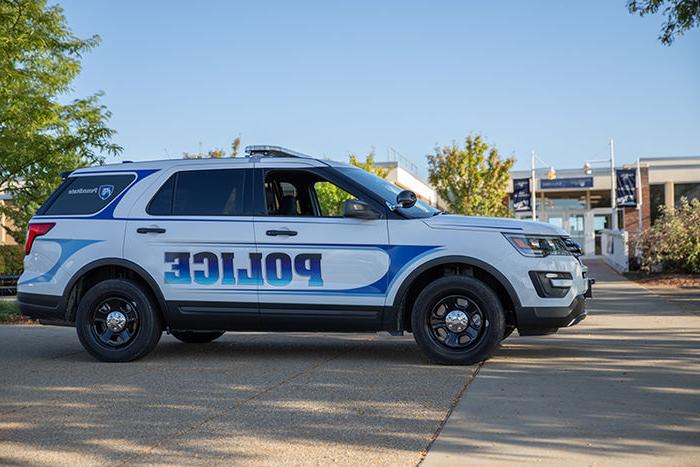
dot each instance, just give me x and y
(272, 151)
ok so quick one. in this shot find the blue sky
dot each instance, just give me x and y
(330, 77)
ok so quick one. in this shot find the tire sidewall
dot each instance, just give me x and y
(150, 327)
(477, 291)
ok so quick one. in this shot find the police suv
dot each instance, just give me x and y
(278, 241)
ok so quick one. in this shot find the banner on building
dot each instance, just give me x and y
(522, 195)
(626, 188)
(575, 182)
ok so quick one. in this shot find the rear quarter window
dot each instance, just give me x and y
(86, 194)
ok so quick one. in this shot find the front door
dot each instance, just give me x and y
(321, 271)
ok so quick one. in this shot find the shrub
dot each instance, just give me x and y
(11, 259)
(673, 243)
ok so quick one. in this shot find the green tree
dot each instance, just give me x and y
(40, 137)
(472, 180)
(673, 242)
(331, 198)
(681, 15)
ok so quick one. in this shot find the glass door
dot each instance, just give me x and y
(576, 228)
(573, 221)
(600, 222)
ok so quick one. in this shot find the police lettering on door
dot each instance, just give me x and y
(276, 269)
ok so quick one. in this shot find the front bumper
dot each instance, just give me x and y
(533, 321)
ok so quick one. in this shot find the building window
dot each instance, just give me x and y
(600, 199)
(657, 195)
(564, 200)
(685, 190)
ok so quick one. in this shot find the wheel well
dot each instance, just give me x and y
(449, 269)
(94, 276)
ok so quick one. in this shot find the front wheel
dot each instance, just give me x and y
(193, 337)
(458, 320)
(117, 321)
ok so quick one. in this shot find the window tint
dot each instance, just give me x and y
(86, 194)
(201, 193)
(287, 193)
(162, 202)
(303, 193)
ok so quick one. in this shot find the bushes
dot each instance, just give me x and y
(11, 259)
(673, 243)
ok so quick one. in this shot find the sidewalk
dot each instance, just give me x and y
(621, 388)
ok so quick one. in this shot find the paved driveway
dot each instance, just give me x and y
(623, 387)
(249, 398)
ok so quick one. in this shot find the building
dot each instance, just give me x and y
(580, 201)
(404, 174)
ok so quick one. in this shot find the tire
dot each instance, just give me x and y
(458, 320)
(192, 337)
(100, 314)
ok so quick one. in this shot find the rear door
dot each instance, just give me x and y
(193, 232)
(321, 271)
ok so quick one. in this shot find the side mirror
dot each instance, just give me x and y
(406, 199)
(359, 210)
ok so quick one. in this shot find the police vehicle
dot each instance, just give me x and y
(278, 241)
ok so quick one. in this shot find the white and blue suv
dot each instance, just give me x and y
(278, 241)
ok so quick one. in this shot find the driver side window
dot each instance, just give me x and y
(331, 198)
(303, 193)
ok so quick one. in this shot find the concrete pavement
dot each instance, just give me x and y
(622, 388)
(250, 399)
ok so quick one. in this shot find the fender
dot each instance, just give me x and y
(135, 268)
(467, 260)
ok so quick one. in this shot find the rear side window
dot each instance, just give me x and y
(87, 194)
(200, 193)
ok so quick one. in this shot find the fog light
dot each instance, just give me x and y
(551, 284)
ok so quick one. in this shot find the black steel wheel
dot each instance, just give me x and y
(458, 320)
(117, 321)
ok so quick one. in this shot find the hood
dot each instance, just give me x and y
(500, 224)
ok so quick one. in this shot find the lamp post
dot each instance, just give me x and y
(551, 175)
(588, 170)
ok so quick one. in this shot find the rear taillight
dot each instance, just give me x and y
(36, 230)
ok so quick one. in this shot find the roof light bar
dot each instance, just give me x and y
(272, 151)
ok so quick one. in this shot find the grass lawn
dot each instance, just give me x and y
(9, 311)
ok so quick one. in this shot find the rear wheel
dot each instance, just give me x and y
(458, 320)
(117, 321)
(192, 337)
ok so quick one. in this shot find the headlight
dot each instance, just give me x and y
(537, 246)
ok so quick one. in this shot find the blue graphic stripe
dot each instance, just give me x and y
(69, 247)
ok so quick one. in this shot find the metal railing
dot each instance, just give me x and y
(8, 285)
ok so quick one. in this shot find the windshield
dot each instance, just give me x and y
(387, 191)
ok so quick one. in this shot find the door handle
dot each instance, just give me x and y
(145, 230)
(275, 233)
